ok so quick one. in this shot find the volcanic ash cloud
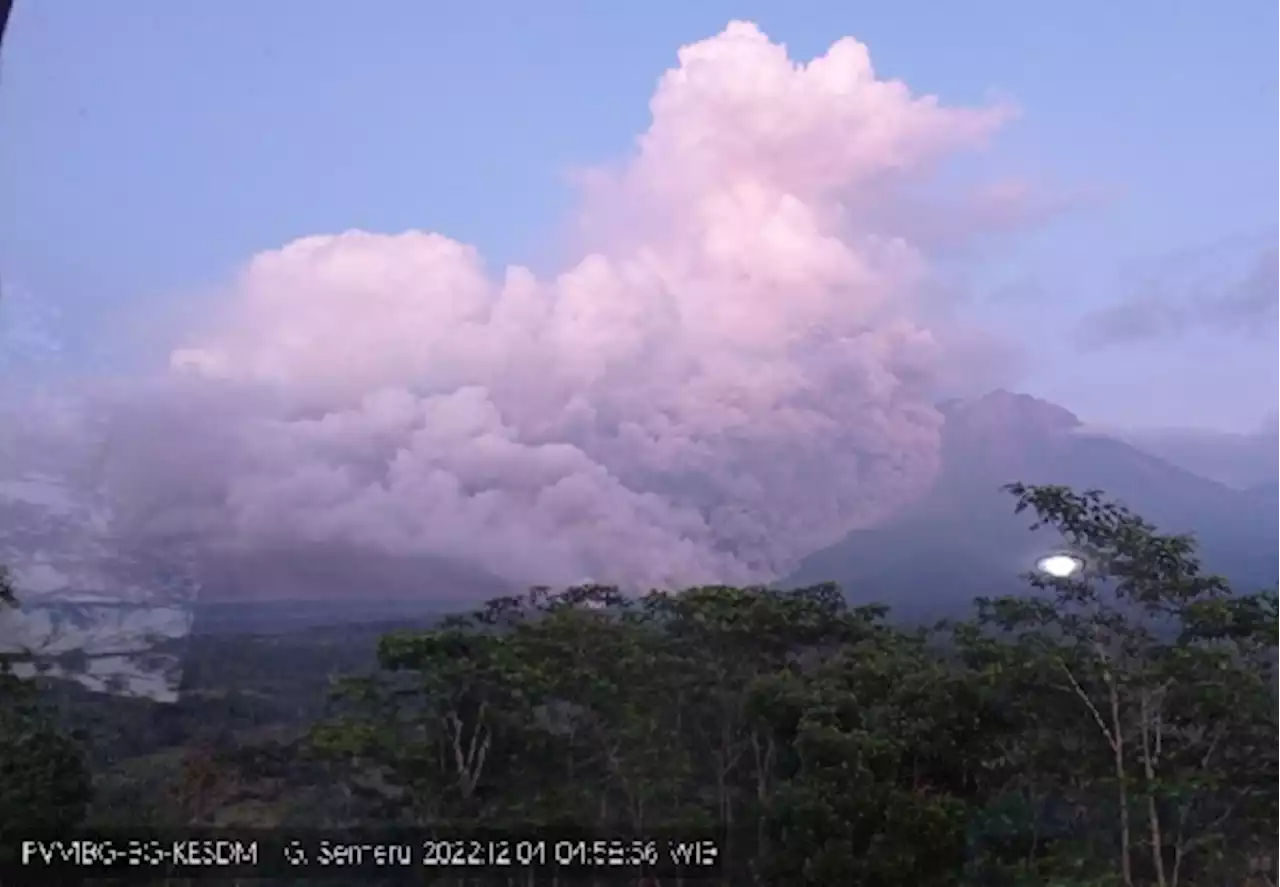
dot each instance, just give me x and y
(732, 377)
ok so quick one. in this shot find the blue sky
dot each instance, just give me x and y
(149, 148)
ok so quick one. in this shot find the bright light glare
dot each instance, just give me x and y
(1059, 566)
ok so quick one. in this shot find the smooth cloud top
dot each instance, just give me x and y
(734, 378)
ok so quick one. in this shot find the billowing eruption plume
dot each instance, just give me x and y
(736, 375)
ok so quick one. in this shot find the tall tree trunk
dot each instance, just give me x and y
(1117, 749)
(1149, 772)
(6, 6)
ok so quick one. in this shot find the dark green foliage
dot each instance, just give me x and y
(1114, 728)
(43, 779)
(44, 782)
(1117, 725)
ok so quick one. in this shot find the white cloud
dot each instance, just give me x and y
(736, 375)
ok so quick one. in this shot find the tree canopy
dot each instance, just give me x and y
(1113, 727)
(44, 781)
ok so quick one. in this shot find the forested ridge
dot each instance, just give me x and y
(1117, 727)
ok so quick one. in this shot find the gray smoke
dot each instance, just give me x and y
(739, 374)
(1230, 288)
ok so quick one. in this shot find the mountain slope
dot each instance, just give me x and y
(93, 608)
(962, 539)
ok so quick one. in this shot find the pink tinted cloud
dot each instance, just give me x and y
(733, 376)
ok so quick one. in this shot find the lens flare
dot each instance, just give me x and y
(1060, 566)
